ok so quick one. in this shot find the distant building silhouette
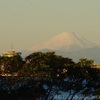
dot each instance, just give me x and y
(95, 66)
(11, 53)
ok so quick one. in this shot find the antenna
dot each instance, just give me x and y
(12, 48)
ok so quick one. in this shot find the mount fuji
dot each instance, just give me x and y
(64, 42)
(69, 45)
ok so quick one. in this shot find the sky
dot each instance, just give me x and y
(25, 23)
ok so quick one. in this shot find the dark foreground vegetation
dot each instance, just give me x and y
(47, 76)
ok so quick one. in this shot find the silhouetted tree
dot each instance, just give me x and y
(11, 64)
(46, 75)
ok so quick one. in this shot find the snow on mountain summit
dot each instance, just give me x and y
(65, 41)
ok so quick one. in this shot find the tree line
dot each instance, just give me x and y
(45, 76)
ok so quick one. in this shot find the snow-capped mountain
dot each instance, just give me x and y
(68, 45)
(64, 42)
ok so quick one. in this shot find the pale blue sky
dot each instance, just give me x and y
(28, 22)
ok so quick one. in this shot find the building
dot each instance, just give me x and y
(96, 66)
(11, 53)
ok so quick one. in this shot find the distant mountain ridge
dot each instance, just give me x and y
(64, 42)
(69, 45)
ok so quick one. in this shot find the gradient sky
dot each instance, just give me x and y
(28, 22)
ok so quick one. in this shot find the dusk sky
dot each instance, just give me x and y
(25, 23)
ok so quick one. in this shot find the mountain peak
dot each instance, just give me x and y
(65, 34)
(66, 41)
